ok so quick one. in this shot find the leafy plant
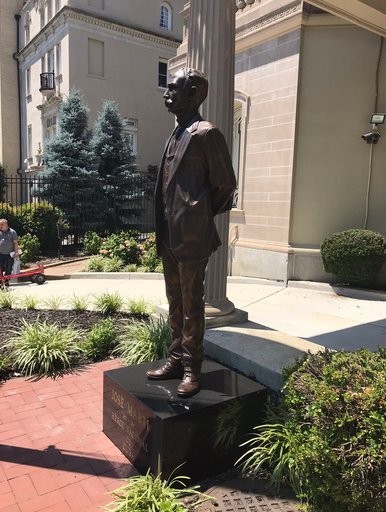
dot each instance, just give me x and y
(143, 341)
(113, 264)
(120, 245)
(148, 254)
(140, 307)
(146, 493)
(53, 302)
(5, 364)
(79, 304)
(329, 437)
(109, 303)
(92, 242)
(41, 349)
(355, 256)
(7, 300)
(29, 302)
(100, 340)
(271, 447)
(41, 220)
(95, 264)
(131, 267)
(30, 246)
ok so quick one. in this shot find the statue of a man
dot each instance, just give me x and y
(195, 182)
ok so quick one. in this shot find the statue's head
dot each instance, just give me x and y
(186, 91)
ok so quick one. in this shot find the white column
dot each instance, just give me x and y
(211, 49)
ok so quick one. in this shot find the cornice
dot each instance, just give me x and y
(291, 9)
(68, 14)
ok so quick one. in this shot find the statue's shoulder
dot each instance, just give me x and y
(204, 126)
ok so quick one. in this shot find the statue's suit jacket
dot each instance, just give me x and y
(200, 185)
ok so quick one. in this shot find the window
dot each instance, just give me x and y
(130, 129)
(50, 128)
(29, 141)
(43, 64)
(96, 58)
(162, 74)
(165, 20)
(28, 82)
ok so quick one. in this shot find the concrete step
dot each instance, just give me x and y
(256, 351)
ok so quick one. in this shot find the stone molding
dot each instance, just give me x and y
(269, 19)
(67, 14)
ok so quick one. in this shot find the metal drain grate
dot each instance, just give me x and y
(246, 496)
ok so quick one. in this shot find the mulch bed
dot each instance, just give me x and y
(85, 320)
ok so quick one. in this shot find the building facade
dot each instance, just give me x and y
(106, 49)
(9, 96)
(308, 77)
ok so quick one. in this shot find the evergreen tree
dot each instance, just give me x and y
(116, 168)
(70, 177)
(110, 145)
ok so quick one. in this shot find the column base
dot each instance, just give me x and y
(218, 307)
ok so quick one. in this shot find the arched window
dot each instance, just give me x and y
(165, 20)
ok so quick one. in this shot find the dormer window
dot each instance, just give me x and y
(165, 17)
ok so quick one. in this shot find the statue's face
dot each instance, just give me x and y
(177, 96)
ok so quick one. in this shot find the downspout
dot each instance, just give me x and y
(19, 170)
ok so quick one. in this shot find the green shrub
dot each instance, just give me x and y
(43, 349)
(100, 340)
(92, 243)
(95, 264)
(29, 302)
(132, 267)
(30, 246)
(146, 493)
(120, 245)
(41, 219)
(79, 304)
(7, 300)
(148, 257)
(53, 302)
(12, 214)
(144, 340)
(5, 364)
(354, 256)
(332, 433)
(109, 303)
(113, 264)
(140, 307)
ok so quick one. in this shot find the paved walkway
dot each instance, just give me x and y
(53, 454)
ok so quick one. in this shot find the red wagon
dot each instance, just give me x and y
(35, 274)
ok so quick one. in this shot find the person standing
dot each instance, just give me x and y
(195, 183)
(8, 244)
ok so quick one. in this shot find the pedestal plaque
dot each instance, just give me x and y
(157, 430)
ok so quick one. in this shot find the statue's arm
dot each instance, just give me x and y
(221, 175)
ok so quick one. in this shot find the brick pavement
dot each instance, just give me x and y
(53, 454)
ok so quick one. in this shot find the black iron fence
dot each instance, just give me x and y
(87, 204)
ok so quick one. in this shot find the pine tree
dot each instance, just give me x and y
(110, 145)
(70, 177)
(116, 168)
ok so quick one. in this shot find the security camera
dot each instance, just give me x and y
(371, 138)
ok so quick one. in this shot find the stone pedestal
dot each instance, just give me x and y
(159, 431)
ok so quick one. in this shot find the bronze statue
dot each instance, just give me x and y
(195, 182)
